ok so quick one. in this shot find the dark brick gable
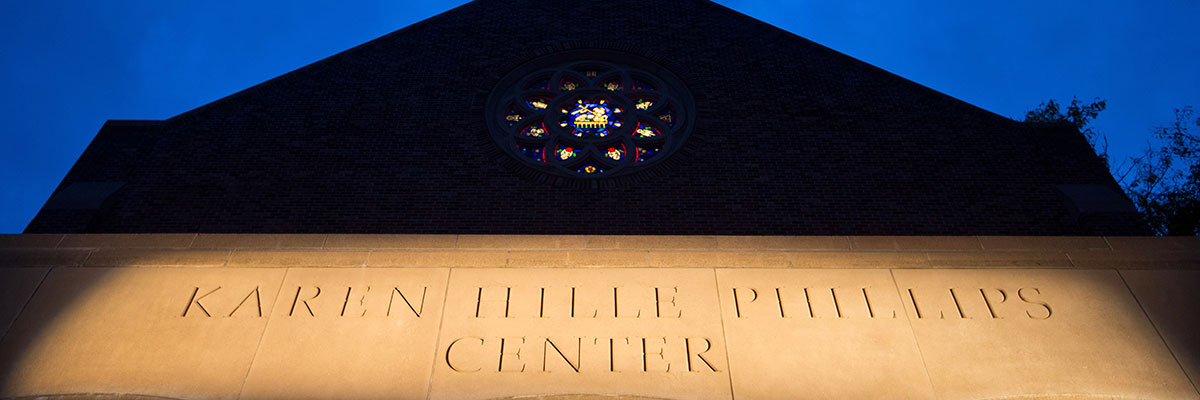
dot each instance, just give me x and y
(790, 138)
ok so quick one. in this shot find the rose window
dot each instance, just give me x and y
(590, 119)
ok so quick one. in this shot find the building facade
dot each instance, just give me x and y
(784, 137)
(619, 199)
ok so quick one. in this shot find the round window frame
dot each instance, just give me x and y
(668, 93)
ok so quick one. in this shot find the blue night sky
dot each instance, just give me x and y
(69, 66)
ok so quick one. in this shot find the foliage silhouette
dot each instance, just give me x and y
(1164, 182)
(1078, 114)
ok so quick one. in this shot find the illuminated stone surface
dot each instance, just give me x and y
(350, 333)
(788, 335)
(650, 332)
(1172, 300)
(490, 317)
(134, 330)
(1051, 332)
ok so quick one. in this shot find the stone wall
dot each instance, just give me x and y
(666, 317)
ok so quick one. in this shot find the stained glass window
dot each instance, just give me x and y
(590, 168)
(641, 85)
(512, 116)
(534, 153)
(565, 152)
(568, 85)
(645, 153)
(538, 104)
(615, 153)
(645, 131)
(599, 118)
(668, 117)
(592, 118)
(535, 130)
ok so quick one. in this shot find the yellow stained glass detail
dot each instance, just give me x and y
(535, 131)
(585, 118)
(614, 154)
(566, 153)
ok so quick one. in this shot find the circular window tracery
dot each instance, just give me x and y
(610, 115)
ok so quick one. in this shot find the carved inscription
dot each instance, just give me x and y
(310, 301)
(807, 303)
(358, 301)
(978, 303)
(621, 302)
(250, 304)
(580, 354)
(851, 302)
(585, 352)
(603, 305)
(637, 302)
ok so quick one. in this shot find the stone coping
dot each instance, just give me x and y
(583, 251)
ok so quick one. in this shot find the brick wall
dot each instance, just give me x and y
(389, 137)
